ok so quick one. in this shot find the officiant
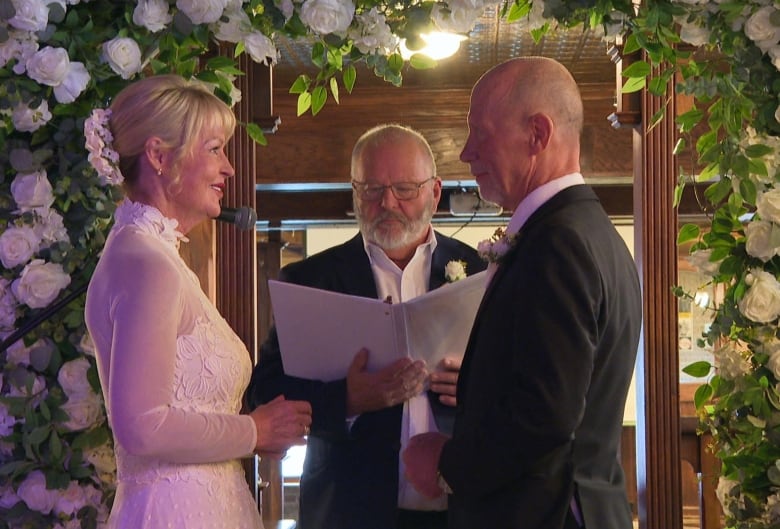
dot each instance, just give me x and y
(352, 478)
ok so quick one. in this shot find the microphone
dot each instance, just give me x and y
(244, 217)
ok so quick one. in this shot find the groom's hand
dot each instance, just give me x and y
(444, 380)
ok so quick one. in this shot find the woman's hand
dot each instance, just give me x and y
(281, 424)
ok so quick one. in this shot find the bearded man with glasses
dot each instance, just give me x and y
(351, 476)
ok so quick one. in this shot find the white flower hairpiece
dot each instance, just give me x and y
(102, 155)
(493, 249)
(455, 270)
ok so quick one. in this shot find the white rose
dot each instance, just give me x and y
(104, 461)
(76, 80)
(18, 354)
(123, 55)
(8, 306)
(762, 239)
(723, 491)
(768, 205)
(372, 33)
(30, 15)
(152, 14)
(7, 421)
(700, 259)
(455, 19)
(18, 245)
(70, 500)
(32, 191)
(50, 228)
(731, 361)
(38, 390)
(48, 66)
(33, 492)
(232, 26)
(260, 48)
(86, 345)
(327, 16)
(693, 34)
(28, 119)
(40, 283)
(760, 29)
(202, 11)
(761, 302)
(84, 413)
(774, 364)
(286, 7)
(73, 378)
(774, 54)
(8, 497)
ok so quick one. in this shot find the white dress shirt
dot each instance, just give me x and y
(403, 285)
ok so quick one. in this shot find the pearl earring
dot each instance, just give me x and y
(159, 171)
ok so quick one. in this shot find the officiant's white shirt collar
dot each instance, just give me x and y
(539, 196)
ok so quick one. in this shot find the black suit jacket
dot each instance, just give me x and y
(350, 477)
(545, 376)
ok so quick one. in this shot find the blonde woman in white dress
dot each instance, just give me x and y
(172, 371)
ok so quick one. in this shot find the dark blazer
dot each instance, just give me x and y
(545, 376)
(350, 477)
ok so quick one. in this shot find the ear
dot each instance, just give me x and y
(436, 193)
(541, 126)
(155, 154)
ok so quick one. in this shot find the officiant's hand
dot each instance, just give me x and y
(392, 385)
(444, 380)
(281, 424)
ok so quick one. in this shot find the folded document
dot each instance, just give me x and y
(320, 331)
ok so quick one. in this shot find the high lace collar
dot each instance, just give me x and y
(150, 220)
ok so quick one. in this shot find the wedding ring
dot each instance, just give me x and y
(306, 430)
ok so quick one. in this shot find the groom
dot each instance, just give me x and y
(545, 376)
(359, 424)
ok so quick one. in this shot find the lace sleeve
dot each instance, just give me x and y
(146, 306)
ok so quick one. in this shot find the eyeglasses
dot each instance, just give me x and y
(401, 190)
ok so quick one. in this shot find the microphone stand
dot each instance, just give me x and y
(42, 316)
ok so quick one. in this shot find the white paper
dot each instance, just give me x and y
(321, 331)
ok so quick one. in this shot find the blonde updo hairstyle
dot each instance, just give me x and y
(168, 107)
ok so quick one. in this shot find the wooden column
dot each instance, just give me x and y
(658, 417)
(236, 253)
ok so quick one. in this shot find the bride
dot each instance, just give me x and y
(172, 371)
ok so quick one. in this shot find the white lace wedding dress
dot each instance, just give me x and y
(173, 373)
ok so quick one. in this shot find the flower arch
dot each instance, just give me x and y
(60, 59)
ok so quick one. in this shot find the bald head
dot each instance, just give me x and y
(537, 84)
(525, 120)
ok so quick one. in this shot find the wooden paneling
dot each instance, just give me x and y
(318, 148)
(658, 419)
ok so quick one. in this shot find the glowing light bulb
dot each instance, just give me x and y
(438, 45)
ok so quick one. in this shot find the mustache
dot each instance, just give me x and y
(389, 215)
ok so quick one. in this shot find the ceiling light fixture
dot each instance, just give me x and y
(438, 45)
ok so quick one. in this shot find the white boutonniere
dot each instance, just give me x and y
(454, 271)
(493, 249)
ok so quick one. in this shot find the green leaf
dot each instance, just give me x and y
(420, 61)
(304, 102)
(702, 395)
(300, 85)
(698, 369)
(349, 77)
(688, 232)
(634, 84)
(318, 97)
(334, 89)
(637, 69)
(758, 150)
(255, 132)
